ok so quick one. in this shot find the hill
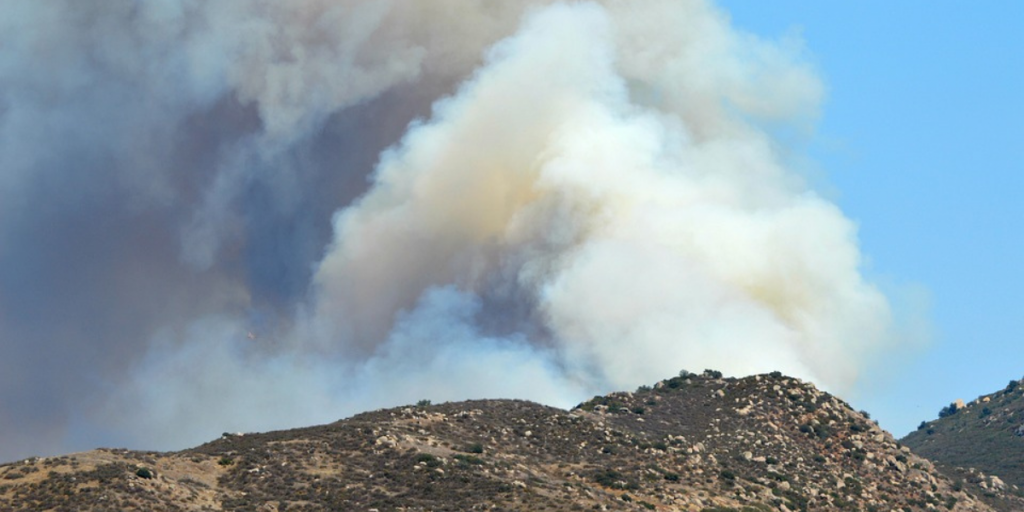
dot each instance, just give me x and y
(980, 442)
(693, 442)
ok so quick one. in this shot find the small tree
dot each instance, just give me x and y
(948, 410)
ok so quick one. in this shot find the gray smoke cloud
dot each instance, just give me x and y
(247, 215)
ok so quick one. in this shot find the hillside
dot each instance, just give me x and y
(695, 443)
(981, 442)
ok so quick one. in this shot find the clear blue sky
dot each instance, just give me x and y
(921, 142)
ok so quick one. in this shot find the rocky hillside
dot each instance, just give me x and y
(980, 443)
(695, 443)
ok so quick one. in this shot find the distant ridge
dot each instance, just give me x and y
(980, 443)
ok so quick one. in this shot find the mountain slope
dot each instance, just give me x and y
(690, 443)
(984, 439)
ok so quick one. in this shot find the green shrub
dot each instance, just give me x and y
(468, 459)
(429, 459)
(226, 461)
(423, 403)
(475, 448)
(823, 432)
(949, 410)
(615, 480)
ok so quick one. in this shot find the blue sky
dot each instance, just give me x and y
(921, 142)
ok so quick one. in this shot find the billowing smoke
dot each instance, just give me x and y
(247, 215)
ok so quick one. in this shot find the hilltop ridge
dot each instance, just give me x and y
(692, 442)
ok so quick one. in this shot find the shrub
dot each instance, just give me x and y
(672, 477)
(823, 432)
(727, 475)
(226, 461)
(423, 403)
(468, 459)
(949, 410)
(1012, 386)
(475, 448)
(613, 479)
(922, 425)
(985, 412)
(714, 374)
(429, 459)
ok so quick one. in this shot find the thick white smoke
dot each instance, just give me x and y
(590, 199)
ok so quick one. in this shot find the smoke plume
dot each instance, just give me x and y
(245, 215)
